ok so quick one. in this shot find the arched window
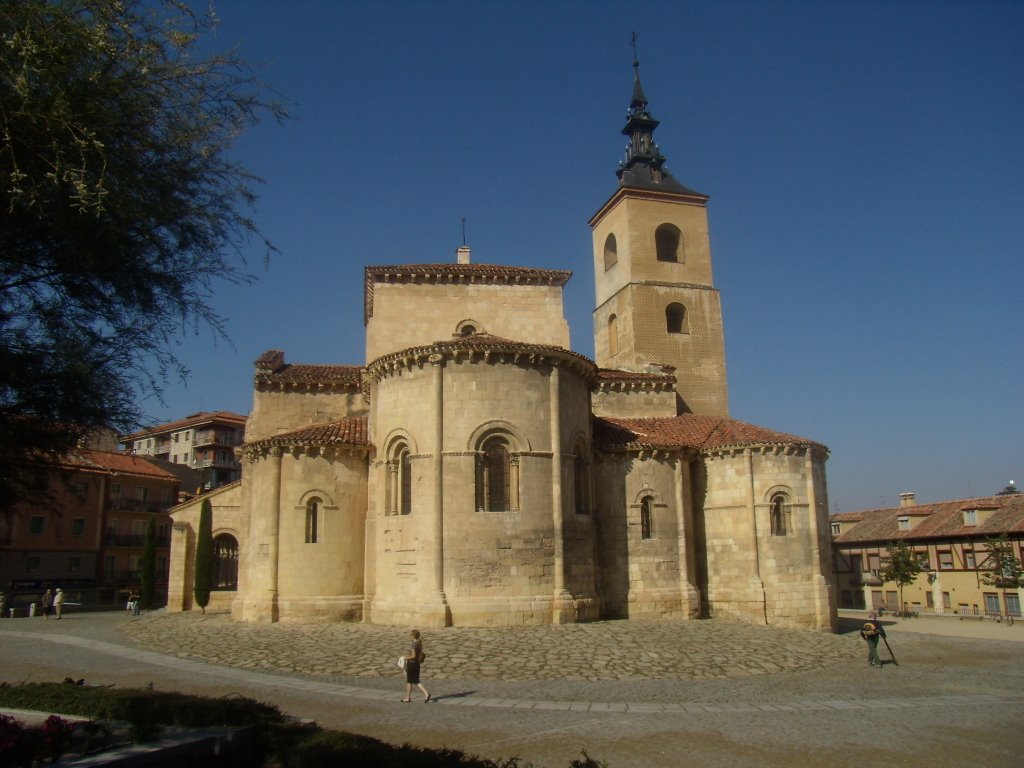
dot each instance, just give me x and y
(675, 318)
(313, 507)
(405, 481)
(667, 241)
(613, 336)
(497, 476)
(611, 252)
(399, 480)
(646, 518)
(225, 562)
(780, 514)
(468, 327)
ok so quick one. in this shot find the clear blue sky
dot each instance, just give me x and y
(865, 162)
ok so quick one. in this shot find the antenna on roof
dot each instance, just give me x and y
(463, 230)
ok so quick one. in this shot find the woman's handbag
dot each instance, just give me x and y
(401, 662)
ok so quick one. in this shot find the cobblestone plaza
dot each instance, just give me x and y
(668, 693)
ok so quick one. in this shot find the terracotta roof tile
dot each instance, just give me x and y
(307, 374)
(485, 342)
(351, 431)
(224, 417)
(943, 519)
(687, 431)
(119, 463)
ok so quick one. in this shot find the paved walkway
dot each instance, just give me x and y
(632, 693)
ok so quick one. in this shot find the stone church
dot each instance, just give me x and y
(477, 472)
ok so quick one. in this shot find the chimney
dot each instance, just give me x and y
(270, 361)
(462, 254)
(907, 499)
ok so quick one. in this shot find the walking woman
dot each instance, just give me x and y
(413, 659)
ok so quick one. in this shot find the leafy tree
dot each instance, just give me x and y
(120, 209)
(204, 556)
(903, 567)
(149, 566)
(1010, 490)
(1002, 566)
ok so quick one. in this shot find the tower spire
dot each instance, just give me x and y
(644, 165)
(639, 99)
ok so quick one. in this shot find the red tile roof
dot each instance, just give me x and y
(226, 418)
(88, 460)
(687, 431)
(308, 374)
(486, 343)
(943, 519)
(351, 431)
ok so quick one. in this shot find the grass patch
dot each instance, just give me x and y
(281, 741)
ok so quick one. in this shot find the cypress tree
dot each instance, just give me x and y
(204, 556)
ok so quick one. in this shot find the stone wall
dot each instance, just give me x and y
(322, 579)
(635, 403)
(528, 313)
(641, 577)
(498, 567)
(277, 411)
(634, 222)
(228, 517)
(755, 573)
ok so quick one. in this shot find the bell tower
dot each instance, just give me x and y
(656, 302)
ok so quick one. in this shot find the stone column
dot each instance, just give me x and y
(436, 612)
(261, 601)
(823, 614)
(759, 608)
(180, 584)
(562, 608)
(690, 596)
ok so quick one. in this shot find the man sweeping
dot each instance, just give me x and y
(871, 631)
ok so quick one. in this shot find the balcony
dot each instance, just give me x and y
(212, 437)
(870, 579)
(162, 447)
(134, 505)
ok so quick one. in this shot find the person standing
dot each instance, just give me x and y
(871, 631)
(58, 602)
(47, 604)
(3, 605)
(413, 659)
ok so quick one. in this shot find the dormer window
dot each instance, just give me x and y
(970, 517)
(904, 522)
(835, 529)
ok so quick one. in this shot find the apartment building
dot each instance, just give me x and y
(952, 539)
(204, 441)
(86, 531)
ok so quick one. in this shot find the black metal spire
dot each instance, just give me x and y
(643, 165)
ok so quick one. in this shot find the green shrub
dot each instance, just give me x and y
(282, 742)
